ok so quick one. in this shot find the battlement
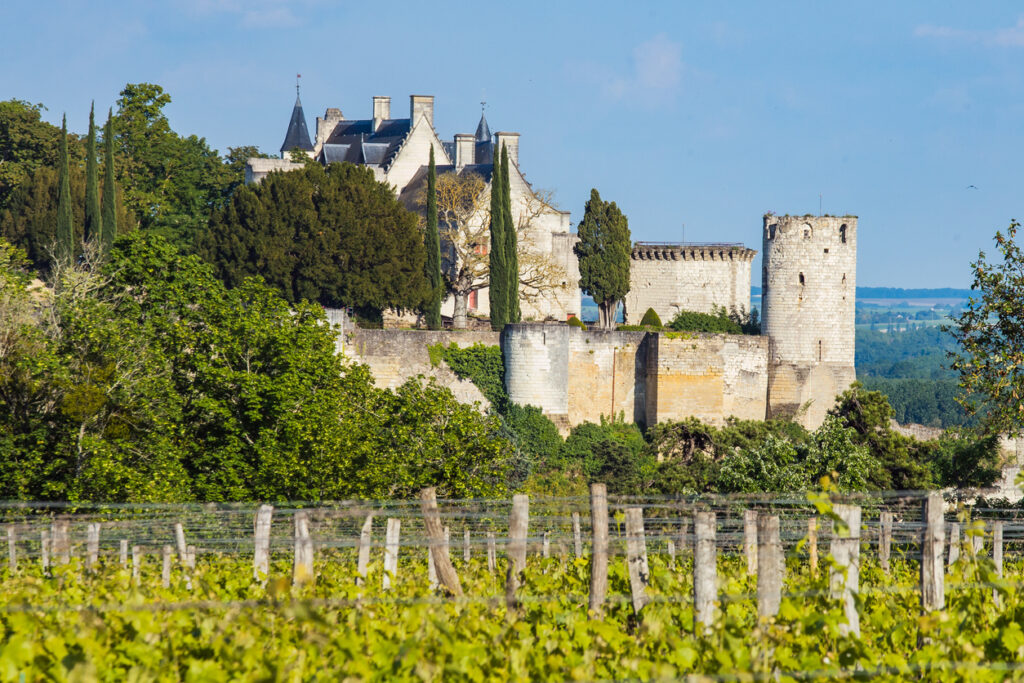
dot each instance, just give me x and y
(810, 227)
(691, 251)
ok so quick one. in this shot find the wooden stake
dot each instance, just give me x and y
(123, 553)
(466, 556)
(136, 563)
(750, 540)
(365, 541)
(190, 557)
(437, 539)
(179, 539)
(845, 576)
(599, 549)
(492, 552)
(577, 535)
(671, 553)
(545, 546)
(61, 541)
(684, 537)
(261, 549)
(12, 548)
(954, 543)
(812, 544)
(92, 545)
(518, 528)
(705, 572)
(391, 539)
(44, 550)
(933, 595)
(771, 566)
(977, 544)
(636, 557)
(165, 575)
(884, 540)
(302, 565)
(997, 557)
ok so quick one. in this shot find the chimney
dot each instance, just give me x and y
(381, 110)
(465, 150)
(421, 105)
(511, 142)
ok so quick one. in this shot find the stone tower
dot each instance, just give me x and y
(808, 286)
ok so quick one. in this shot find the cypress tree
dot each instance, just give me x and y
(432, 242)
(65, 229)
(92, 184)
(498, 267)
(511, 242)
(109, 190)
(603, 250)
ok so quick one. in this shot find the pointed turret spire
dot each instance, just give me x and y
(483, 131)
(298, 134)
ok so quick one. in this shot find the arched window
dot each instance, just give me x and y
(842, 233)
(808, 231)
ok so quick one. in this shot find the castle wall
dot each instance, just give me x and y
(808, 295)
(395, 356)
(537, 368)
(607, 375)
(671, 277)
(257, 168)
(708, 376)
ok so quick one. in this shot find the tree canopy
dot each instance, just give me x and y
(331, 235)
(603, 250)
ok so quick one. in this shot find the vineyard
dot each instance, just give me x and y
(890, 586)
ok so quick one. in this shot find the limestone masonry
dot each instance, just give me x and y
(802, 360)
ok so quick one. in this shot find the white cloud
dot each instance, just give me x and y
(257, 14)
(1012, 36)
(656, 72)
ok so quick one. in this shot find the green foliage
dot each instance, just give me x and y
(128, 387)
(93, 220)
(576, 322)
(109, 202)
(498, 266)
(432, 246)
(651, 318)
(65, 229)
(331, 235)
(603, 251)
(719, 322)
(483, 365)
(27, 143)
(990, 332)
(511, 257)
(611, 452)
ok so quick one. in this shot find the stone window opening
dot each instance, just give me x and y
(802, 282)
(842, 233)
(826, 250)
(771, 231)
(819, 351)
(807, 232)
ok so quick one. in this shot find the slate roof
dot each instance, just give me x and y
(483, 131)
(298, 134)
(417, 186)
(356, 142)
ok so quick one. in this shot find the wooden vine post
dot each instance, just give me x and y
(179, 541)
(997, 557)
(302, 565)
(933, 596)
(750, 546)
(492, 552)
(391, 539)
(122, 553)
(771, 565)
(845, 576)
(466, 552)
(884, 540)
(812, 544)
(365, 540)
(92, 545)
(518, 526)
(165, 574)
(60, 541)
(12, 548)
(636, 558)
(577, 535)
(44, 550)
(261, 546)
(599, 550)
(705, 572)
(954, 543)
(136, 563)
(438, 546)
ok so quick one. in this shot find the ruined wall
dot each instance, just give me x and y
(708, 376)
(678, 277)
(578, 376)
(395, 356)
(808, 295)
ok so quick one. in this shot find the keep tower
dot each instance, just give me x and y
(808, 290)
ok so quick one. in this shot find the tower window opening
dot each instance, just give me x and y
(826, 250)
(802, 283)
(842, 233)
(819, 350)
(807, 234)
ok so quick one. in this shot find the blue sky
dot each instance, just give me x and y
(704, 114)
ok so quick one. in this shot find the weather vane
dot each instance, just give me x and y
(297, 77)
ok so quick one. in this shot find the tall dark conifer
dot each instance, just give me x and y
(109, 210)
(511, 242)
(93, 219)
(498, 281)
(65, 227)
(432, 242)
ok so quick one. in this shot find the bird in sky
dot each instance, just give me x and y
(971, 187)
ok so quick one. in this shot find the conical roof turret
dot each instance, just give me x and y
(298, 134)
(483, 131)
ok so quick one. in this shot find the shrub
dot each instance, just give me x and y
(576, 322)
(651, 318)
(691, 321)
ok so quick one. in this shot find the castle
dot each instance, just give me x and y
(397, 150)
(802, 360)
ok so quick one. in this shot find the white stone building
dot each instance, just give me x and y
(398, 152)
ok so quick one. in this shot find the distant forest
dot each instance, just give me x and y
(910, 368)
(900, 293)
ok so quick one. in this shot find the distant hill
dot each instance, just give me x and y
(900, 293)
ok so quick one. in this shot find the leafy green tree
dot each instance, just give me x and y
(92, 227)
(27, 143)
(110, 200)
(603, 250)
(432, 246)
(511, 257)
(498, 269)
(990, 331)
(65, 225)
(331, 235)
